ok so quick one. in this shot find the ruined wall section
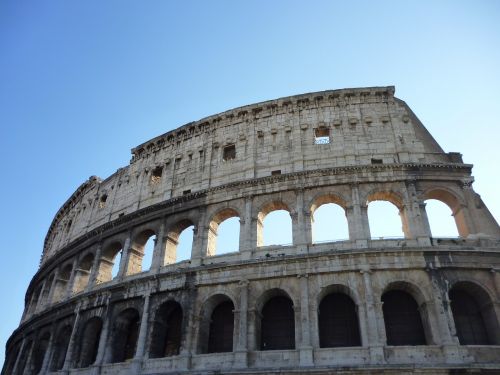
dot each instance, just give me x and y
(349, 127)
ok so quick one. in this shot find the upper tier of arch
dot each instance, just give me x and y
(337, 128)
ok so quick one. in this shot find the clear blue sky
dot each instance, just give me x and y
(82, 82)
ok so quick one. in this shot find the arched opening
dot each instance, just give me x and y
(61, 285)
(277, 325)
(274, 225)
(338, 321)
(24, 358)
(403, 323)
(39, 352)
(217, 325)
(82, 273)
(109, 264)
(441, 221)
(474, 315)
(46, 290)
(328, 220)
(125, 334)
(167, 331)
(220, 335)
(179, 242)
(60, 348)
(34, 301)
(89, 342)
(224, 232)
(141, 252)
(386, 216)
(457, 212)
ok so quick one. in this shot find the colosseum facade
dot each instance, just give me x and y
(415, 304)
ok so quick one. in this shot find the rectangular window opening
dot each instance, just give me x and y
(377, 161)
(156, 175)
(185, 192)
(321, 136)
(229, 153)
(276, 172)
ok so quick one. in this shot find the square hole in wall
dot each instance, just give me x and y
(321, 136)
(229, 152)
(156, 175)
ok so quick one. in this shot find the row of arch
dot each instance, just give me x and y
(338, 318)
(148, 248)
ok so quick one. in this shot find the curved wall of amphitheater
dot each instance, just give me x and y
(362, 305)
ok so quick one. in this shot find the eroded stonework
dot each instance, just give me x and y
(416, 304)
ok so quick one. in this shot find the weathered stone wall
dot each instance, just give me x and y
(347, 147)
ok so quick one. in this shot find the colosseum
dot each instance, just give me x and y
(363, 305)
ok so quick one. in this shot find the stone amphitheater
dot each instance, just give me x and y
(415, 304)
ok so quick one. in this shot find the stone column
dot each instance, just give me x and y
(48, 353)
(246, 230)
(375, 321)
(71, 345)
(125, 257)
(302, 231)
(18, 358)
(53, 287)
(357, 218)
(94, 272)
(305, 349)
(39, 303)
(136, 365)
(71, 282)
(28, 370)
(418, 226)
(241, 354)
(101, 351)
(200, 236)
(159, 249)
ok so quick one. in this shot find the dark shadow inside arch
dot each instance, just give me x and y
(39, 352)
(474, 315)
(124, 335)
(220, 334)
(60, 348)
(277, 329)
(403, 323)
(167, 331)
(89, 342)
(338, 322)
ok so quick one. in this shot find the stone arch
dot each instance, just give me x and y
(88, 344)
(218, 218)
(24, 357)
(137, 250)
(166, 335)
(124, 335)
(265, 210)
(60, 347)
(216, 330)
(173, 233)
(62, 281)
(107, 261)
(40, 351)
(406, 318)
(82, 272)
(338, 318)
(46, 290)
(474, 316)
(328, 198)
(275, 329)
(454, 202)
(397, 200)
(35, 296)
